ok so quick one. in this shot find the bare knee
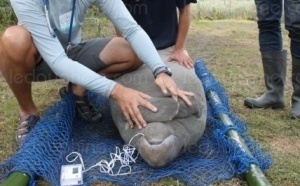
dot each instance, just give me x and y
(118, 50)
(16, 37)
(17, 44)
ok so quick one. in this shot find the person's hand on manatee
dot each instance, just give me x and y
(128, 100)
(167, 85)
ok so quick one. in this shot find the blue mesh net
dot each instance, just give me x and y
(59, 132)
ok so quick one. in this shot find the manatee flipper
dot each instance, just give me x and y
(185, 110)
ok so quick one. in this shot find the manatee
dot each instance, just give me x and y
(175, 127)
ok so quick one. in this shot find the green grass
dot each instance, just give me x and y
(230, 49)
(4, 3)
(7, 16)
(226, 9)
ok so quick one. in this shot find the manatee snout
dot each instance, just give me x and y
(159, 149)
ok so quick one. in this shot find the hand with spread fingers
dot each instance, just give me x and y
(167, 85)
(128, 100)
(182, 57)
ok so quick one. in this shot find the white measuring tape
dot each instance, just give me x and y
(72, 174)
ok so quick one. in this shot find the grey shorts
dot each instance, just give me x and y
(86, 53)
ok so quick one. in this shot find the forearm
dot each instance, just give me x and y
(183, 26)
(80, 75)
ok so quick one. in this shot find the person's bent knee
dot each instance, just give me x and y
(17, 40)
(133, 59)
(118, 50)
(16, 36)
(136, 63)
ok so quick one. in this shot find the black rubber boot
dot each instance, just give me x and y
(274, 65)
(296, 85)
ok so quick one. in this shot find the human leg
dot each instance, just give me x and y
(166, 53)
(274, 65)
(295, 113)
(119, 57)
(273, 57)
(114, 57)
(108, 57)
(18, 59)
(269, 14)
(292, 21)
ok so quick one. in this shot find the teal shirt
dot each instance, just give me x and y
(31, 15)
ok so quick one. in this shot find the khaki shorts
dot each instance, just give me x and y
(86, 53)
(166, 53)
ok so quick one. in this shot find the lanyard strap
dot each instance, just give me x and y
(46, 7)
(52, 32)
(71, 24)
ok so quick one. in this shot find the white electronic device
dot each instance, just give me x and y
(71, 175)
